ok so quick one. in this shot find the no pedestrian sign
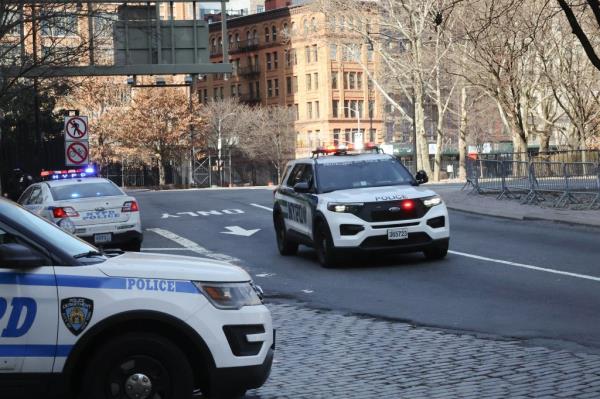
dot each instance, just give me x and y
(76, 128)
(77, 153)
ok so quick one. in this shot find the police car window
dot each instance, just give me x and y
(348, 174)
(24, 220)
(307, 175)
(25, 196)
(296, 175)
(85, 190)
(36, 196)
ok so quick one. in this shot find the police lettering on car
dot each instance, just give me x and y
(76, 322)
(339, 201)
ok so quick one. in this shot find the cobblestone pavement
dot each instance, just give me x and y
(323, 354)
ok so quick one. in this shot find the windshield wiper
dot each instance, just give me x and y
(89, 254)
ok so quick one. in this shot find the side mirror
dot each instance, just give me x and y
(421, 177)
(17, 256)
(302, 187)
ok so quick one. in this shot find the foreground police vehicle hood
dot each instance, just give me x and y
(75, 322)
(339, 202)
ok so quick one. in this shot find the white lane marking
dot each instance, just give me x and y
(239, 231)
(531, 267)
(165, 249)
(263, 207)
(308, 291)
(265, 275)
(192, 246)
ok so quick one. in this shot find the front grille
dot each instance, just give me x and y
(380, 211)
(383, 242)
(236, 336)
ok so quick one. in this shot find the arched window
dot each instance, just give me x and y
(248, 35)
(267, 34)
(213, 45)
(305, 27)
(274, 33)
(313, 24)
(285, 29)
(333, 22)
(237, 37)
(342, 23)
(293, 28)
(350, 22)
(220, 42)
(255, 36)
(230, 40)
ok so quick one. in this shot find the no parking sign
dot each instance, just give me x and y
(77, 153)
(77, 149)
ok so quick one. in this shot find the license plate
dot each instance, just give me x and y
(397, 234)
(102, 238)
(99, 215)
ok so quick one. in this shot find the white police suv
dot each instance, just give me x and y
(92, 208)
(77, 323)
(338, 202)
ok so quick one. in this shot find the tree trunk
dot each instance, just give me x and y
(462, 135)
(438, 154)
(422, 145)
(161, 172)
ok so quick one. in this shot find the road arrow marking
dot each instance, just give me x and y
(308, 291)
(239, 231)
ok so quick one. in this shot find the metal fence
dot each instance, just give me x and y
(559, 183)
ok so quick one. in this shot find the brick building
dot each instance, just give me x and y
(296, 57)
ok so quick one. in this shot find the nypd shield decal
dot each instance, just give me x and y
(76, 313)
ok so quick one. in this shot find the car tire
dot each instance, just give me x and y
(436, 253)
(132, 246)
(326, 252)
(284, 245)
(138, 361)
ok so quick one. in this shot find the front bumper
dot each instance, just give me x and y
(229, 381)
(117, 238)
(373, 236)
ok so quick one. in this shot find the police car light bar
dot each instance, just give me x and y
(68, 173)
(344, 149)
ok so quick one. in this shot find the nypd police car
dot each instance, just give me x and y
(339, 201)
(75, 322)
(92, 208)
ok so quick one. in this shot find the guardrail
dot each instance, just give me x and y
(536, 181)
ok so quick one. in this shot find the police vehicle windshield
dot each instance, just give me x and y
(25, 221)
(361, 173)
(87, 190)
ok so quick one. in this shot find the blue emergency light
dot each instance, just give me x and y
(88, 171)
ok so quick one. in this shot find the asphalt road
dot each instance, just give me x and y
(534, 281)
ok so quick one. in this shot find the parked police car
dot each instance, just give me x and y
(337, 201)
(74, 322)
(92, 208)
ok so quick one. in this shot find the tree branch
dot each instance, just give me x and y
(578, 31)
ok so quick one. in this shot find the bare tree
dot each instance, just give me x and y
(272, 136)
(580, 19)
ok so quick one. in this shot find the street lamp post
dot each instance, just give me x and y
(220, 146)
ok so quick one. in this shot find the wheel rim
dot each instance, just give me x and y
(139, 377)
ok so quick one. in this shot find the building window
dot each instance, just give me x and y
(313, 24)
(316, 81)
(295, 84)
(215, 93)
(296, 112)
(370, 54)
(257, 89)
(59, 25)
(371, 108)
(309, 113)
(222, 92)
(334, 80)
(336, 137)
(315, 56)
(274, 33)
(267, 34)
(342, 23)
(347, 134)
(288, 85)
(205, 96)
(317, 110)
(234, 92)
(276, 87)
(269, 88)
(308, 82)
(359, 80)
(351, 106)
(305, 27)
(275, 60)
(333, 51)
(307, 54)
(335, 105)
(269, 62)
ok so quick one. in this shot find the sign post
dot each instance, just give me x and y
(77, 149)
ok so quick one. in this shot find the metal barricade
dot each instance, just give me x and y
(516, 179)
(545, 178)
(488, 176)
(581, 178)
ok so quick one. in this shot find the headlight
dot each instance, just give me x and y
(345, 207)
(229, 295)
(432, 201)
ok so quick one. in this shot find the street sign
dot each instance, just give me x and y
(76, 128)
(77, 153)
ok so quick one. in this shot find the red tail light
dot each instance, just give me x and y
(407, 205)
(64, 212)
(130, 206)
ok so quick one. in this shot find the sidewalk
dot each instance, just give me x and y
(512, 209)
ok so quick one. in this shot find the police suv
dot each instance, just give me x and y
(338, 201)
(92, 208)
(78, 323)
